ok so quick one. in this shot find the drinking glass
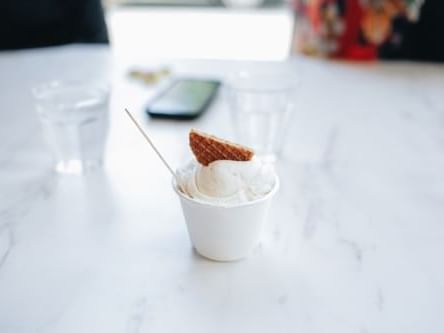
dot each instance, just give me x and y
(260, 105)
(74, 119)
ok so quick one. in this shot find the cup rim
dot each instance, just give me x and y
(242, 204)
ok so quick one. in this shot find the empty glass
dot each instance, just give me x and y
(74, 117)
(260, 104)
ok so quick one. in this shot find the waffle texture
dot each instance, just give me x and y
(208, 148)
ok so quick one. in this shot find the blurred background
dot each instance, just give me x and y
(233, 29)
(236, 29)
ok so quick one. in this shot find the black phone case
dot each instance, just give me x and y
(182, 115)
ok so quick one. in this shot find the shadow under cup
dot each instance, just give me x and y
(225, 233)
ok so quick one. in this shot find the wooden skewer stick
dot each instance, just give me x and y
(151, 143)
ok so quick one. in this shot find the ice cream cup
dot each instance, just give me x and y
(225, 233)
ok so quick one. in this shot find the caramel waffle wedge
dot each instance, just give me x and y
(208, 148)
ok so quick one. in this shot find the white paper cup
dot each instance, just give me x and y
(225, 233)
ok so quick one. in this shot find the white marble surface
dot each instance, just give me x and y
(355, 241)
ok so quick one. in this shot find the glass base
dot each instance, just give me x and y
(76, 167)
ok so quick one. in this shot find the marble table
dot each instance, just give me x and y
(355, 239)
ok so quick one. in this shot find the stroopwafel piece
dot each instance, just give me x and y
(208, 148)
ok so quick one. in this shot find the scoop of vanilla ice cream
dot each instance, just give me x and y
(227, 182)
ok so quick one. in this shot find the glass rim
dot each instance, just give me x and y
(40, 90)
(242, 85)
(260, 90)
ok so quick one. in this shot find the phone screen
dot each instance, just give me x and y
(185, 98)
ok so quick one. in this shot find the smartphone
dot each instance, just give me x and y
(183, 99)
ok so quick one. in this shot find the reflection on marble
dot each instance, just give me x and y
(7, 241)
(354, 241)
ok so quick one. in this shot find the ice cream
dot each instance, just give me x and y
(226, 182)
(225, 194)
(224, 173)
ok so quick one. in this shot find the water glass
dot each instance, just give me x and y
(260, 105)
(74, 118)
